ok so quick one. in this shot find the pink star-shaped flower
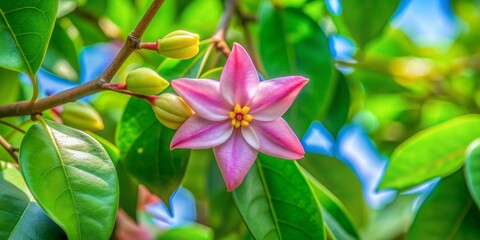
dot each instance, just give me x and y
(239, 116)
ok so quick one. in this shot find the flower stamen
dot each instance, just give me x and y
(240, 116)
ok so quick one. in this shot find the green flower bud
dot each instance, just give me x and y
(179, 44)
(81, 116)
(145, 81)
(171, 110)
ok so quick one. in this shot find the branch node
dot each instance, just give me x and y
(133, 41)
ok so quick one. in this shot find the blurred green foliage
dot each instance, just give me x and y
(411, 99)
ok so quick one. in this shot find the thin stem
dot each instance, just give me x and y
(149, 45)
(219, 37)
(35, 89)
(11, 133)
(248, 38)
(39, 118)
(204, 60)
(131, 44)
(11, 150)
(115, 86)
(121, 88)
(208, 40)
(12, 126)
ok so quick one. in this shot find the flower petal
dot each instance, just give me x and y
(275, 96)
(203, 96)
(239, 79)
(198, 133)
(277, 139)
(235, 157)
(250, 137)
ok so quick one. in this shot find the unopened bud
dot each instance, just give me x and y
(145, 81)
(171, 110)
(81, 116)
(179, 44)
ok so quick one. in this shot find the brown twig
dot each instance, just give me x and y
(96, 85)
(9, 148)
(218, 38)
(12, 126)
(244, 20)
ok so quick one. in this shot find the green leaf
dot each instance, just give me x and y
(196, 175)
(214, 73)
(300, 48)
(391, 221)
(25, 29)
(128, 188)
(434, 152)
(334, 213)
(341, 181)
(72, 178)
(338, 111)
(89, 30)
(9, 86)
(188, 232)
(276, 201)
(220, 204)
(366, 19)
(112, 150)
(62, 55)
(128, 191)
(145, 149)
(472, 171)
(20, 216)
(447, 213)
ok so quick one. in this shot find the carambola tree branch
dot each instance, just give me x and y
(98, 84)
(9, 148)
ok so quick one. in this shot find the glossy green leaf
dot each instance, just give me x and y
(25, 30)
(62, 55)
(339, 109)
(128, 188)
(112, 150)
(196, 176)
(434, 152)
(88, 30)
(9, 86)
(339, 179)
(72, 178)
(300, 48)
(128, 191)
(392, 220)
(220, 204)
(276, 201)
(96, 9)
(188, 232)
(67, 6)
(20, 216)
(214, 73)
(335, 215)
(447, 213)
(472, 171)
(366, 19)
(144, 145)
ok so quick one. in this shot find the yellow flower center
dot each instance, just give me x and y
(240, 116)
